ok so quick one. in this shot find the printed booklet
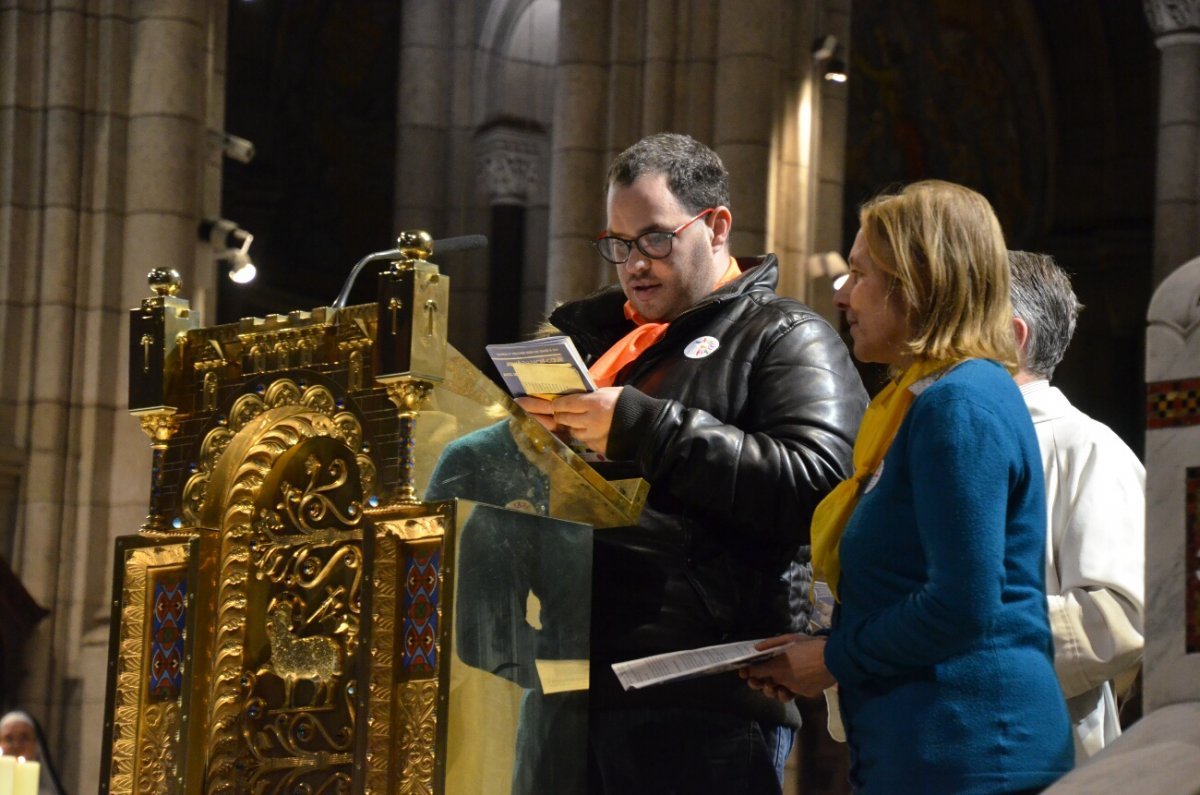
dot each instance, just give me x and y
(544, 368)
(672, 667)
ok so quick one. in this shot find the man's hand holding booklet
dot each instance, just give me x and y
(675, 666)
(544, 368)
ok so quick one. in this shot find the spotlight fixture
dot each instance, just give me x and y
(233, 147)
(829, 265)
(827, 52)
(241, 269)
(835, 71)
(232, 245)
(824, 48)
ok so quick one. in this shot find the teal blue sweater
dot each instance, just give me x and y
(941, 644)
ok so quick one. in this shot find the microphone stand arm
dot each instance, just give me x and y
(344, 295)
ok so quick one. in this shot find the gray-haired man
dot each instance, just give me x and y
(1095, 512)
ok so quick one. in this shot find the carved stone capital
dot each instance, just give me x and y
(1167, 17)
(508, 164)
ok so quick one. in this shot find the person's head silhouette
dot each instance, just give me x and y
(20, 735)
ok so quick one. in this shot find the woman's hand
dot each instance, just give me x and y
(799, 671)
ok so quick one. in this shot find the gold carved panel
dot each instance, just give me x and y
(406, 664)
(152, 654)
(288, 493)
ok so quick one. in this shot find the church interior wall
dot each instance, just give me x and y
(377, 116)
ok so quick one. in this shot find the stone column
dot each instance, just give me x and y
(102, 147)
(1160, 753)
(166, 139)
(832, 114)
(1176, 26)
(658, 71)
(747, 101)
(423, 106)
(443, 81)
(510, 163)
(830, 177)
(1172, 658)
(577, 156)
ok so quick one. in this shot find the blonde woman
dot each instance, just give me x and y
(940, 645)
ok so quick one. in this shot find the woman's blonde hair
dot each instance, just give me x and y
(943, 246)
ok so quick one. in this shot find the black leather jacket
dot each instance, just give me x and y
(738, 445)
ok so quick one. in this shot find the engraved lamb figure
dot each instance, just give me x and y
(317, 659)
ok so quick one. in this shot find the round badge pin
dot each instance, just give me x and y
(875, 476)
(701, 347)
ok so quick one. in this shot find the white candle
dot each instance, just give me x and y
(7, 763)
(25, 777)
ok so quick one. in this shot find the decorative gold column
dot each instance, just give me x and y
(410, 349)
(157, 330)
(160, 426)
(409, 397)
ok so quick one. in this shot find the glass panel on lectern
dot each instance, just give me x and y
(473, 442)
(517, 711)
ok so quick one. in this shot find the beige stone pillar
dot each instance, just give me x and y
(747, 95)
(781, 130)
(578, 158)
(423, 105)
(102, 164)
(829, 183)
(1176, 25)
(795, 143)
(832, 112)
(735, 76)
(660, 37)
(696, 77)
(443, 88)
(510, 166)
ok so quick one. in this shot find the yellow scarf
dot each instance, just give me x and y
(879, 426)
(604, 370)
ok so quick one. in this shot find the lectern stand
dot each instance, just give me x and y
(363, 568)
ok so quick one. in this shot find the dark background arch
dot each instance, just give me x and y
(1048, 109)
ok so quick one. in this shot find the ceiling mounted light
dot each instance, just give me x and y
(828, 54)
(829, 265)
(241, 268)
(835, 71)
(232, 246)
(231, 146)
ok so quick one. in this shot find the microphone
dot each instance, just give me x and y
(446, 245)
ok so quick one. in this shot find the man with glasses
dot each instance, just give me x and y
(740, 408)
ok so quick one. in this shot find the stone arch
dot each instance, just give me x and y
(519, 42)
(518, 46)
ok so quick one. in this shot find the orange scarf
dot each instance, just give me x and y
(604, 370)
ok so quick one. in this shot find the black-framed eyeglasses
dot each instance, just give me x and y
(655, 245)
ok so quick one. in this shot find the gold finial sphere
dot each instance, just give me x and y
(415, 244)
(165, 281)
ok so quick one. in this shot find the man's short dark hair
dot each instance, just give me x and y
(695, 174)
(1043, 298)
